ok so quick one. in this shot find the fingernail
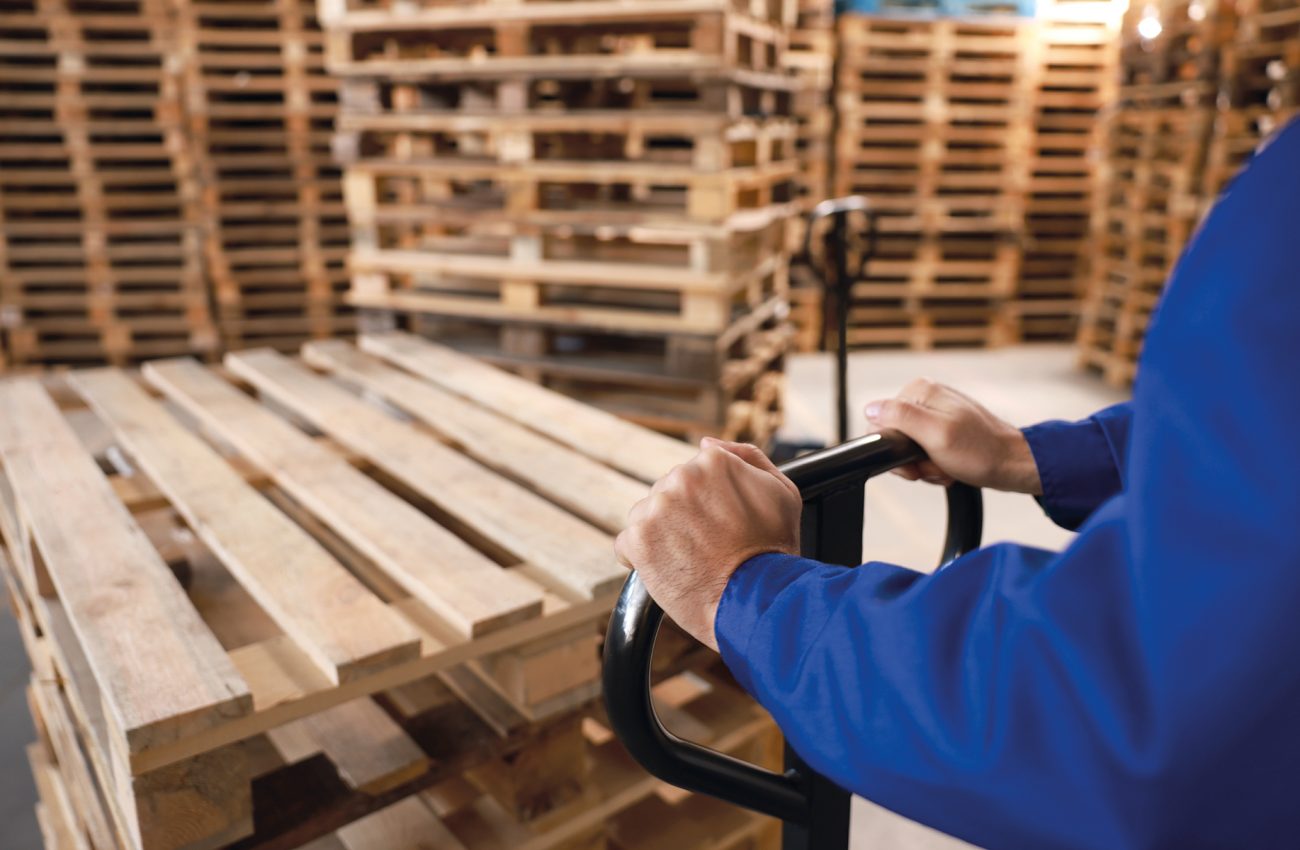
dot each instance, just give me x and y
(873, 411)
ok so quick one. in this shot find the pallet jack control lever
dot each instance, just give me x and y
(826, 479)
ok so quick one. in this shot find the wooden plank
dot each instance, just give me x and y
(161, 672)
(461, 585)
(407, 825)
(59, 826)
(577, 557)
(371, 752)
(90, 809)
(597, 434)
(600, 494)
(343, 628)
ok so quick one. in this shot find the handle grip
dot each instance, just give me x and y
(629, 643)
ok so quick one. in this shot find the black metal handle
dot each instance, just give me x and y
(846, 246)
(635, 623)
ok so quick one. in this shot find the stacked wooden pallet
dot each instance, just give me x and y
(593, 194)
(99, 245)
(811, 56)
(935, 130)
(1203, 85)
(1075, 78)
(293, 612)
(260, 112)
(1259, 87)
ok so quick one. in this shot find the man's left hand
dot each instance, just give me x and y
(703, 520)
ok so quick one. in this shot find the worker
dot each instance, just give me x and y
(1140, 689)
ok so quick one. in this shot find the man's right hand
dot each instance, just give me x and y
(964, 440)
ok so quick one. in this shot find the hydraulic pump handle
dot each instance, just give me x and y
(629, 643)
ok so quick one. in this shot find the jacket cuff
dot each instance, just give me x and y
(1075, 467)
(748, 594)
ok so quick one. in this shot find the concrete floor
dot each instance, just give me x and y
(905, 521)
(904, 526)
(18, 829)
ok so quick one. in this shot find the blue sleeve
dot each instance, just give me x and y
(1140, 689)
(1081, 464)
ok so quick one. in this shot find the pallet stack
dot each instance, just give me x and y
(294, 615)
(811, 56)
(260, 111)
(1203, 84)
(935, 128)
(1259, 87)
(99, 225)
(594, 195)
(1075, 79)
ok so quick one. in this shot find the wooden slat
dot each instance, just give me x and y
(576, 556)
(59, 825)
(343, 628)
(161, 672)
(371, 752)
(568, 477)
(597, 434)
(464, 587)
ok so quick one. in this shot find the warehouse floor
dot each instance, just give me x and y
(904, 525)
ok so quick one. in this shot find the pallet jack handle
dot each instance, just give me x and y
(831, 483)
(839, 241)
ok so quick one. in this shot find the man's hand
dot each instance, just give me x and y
(703, 520)
(964, 440)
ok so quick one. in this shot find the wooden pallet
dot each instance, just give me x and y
(783, 12)
(300, 546)
(686, 385)
(705, 143)
(477, 810)
(260, 112)
(99, 251)
(1148, 209)
(922, 324)
(727, 95)
(674, 280)
(555, 39)
(1075, 76)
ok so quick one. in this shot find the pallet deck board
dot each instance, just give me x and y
(161, 673)
(346, 630)
(600, 435)
(457, 582)
(575, 555)
(585, 486)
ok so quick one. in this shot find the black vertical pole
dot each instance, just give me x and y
(832, 533)
(843, 286)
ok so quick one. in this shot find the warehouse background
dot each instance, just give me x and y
(608, 198)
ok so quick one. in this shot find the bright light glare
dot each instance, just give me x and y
(1149, 27)
(1196, 11)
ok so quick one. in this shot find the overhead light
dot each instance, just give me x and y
(1150, 27)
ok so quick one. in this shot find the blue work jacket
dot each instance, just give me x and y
(1140, 689)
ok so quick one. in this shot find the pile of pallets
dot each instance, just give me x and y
(1200, 92)
(1259, 87)
(594, 195)
(935, 130)
(99, 240)
(811, 56)
(260, 111)
(1075, 77)
(360, 609)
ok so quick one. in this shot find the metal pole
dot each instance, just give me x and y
(832, 533)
